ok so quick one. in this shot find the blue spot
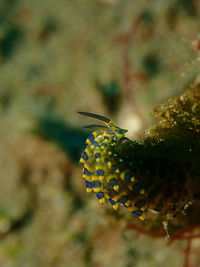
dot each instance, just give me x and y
(113, 182)
(88, 184)
(103, 144)
(117, 157)
(140, 203)
(119, 131)
(97, 156)
(114, 167)
(86, 172)
(128, 176)
(112, 202)
(137, 212)
(100, 172)
(158, 208)
(96, 184)
(106, 137)
(100, 195)
(91, 137)
(84, 156)
(95, 143)
(123, 200)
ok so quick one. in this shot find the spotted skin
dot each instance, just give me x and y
(104, 171)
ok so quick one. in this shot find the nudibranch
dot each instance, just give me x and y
(106, 172)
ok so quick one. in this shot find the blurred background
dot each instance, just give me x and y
(118, 58)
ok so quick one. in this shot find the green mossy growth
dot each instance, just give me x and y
(166, 160)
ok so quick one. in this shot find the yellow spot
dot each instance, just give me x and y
(102, 200)
(81, 160)
(97, 189)
(117, 171)
(95, 134)
(122, 176)
(142, 217)
(132, 179)
(94, 178)
(109, 163)
(106, 195)
(106, 134)
(115, 206)
(117, 197)
(142, 191)
(116, 187)
(88, 190)
(88, 152)
(131, 208)
(88, 167)
(110, 177)
(88, 178)
(127, 203)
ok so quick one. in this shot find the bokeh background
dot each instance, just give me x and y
(118, 58)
